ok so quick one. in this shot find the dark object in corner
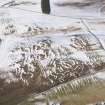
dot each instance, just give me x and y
(45, 5)
(0, 40)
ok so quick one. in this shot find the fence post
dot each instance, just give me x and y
(45, 6)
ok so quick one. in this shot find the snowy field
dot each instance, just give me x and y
(70, 42)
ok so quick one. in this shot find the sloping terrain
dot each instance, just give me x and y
(39, 52)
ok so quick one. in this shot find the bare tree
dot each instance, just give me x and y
(45, 5)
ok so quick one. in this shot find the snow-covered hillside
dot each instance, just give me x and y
(39, 50)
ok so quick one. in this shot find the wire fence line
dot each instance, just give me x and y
(89, 30)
